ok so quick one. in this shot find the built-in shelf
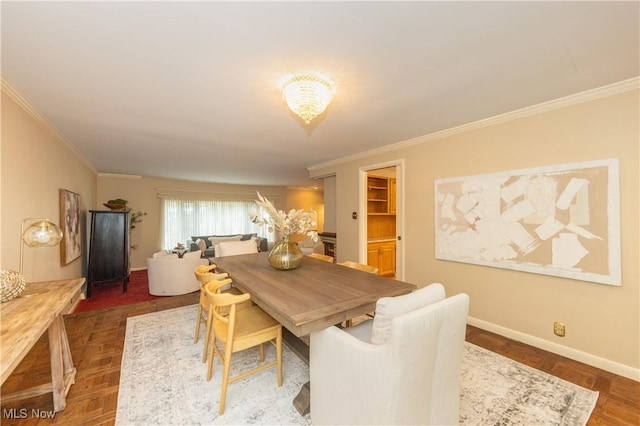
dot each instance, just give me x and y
(380, 195)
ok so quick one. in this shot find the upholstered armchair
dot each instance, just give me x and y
(402, 367)
(170, 275)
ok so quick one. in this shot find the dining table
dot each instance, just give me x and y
(311, 297)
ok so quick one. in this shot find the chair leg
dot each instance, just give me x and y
(209, 345)
(261, 352)
(225, 376)
(279, 355)
(198, 321)
(208, 336)
(212, 349)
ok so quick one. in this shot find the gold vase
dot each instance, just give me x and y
(285, 255)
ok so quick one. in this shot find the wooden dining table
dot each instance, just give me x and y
(311, 297)
(314, 296)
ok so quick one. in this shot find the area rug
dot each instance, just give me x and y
(108, 295)
(163, 382)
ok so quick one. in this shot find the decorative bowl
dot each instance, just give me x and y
(116, 206)
(12, 283)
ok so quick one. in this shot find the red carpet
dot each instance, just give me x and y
(107, 295)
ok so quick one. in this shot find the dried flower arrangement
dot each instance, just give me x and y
(294, 222)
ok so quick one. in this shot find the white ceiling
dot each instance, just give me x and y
(187, 90)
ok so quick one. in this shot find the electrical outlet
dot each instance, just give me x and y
(558, 329)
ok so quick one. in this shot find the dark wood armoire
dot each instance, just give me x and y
(108, 248)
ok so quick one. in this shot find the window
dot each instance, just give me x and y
(183, 218)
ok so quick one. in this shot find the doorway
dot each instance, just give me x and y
(382, 221)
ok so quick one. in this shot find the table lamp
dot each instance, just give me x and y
(40, 233)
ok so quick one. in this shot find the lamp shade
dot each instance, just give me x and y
(42, 234)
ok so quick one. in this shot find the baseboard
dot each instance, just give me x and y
(587, 358)
(142, 268)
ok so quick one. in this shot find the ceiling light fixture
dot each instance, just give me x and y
(307, 94)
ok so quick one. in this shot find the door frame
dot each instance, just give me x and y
(362, 208)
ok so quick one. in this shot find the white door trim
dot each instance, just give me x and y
(362, 212)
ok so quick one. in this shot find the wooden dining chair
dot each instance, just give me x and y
(240, 329)
(205, 274)
(320, 256)
(360, 267)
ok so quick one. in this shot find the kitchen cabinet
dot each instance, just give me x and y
(382, 255)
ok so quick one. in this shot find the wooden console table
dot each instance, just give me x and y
(24, 319)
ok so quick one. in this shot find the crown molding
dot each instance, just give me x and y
(23, 103)
(578, 98)
(119, 176)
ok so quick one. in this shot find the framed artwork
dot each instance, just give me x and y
(561, 220)
(71, 244)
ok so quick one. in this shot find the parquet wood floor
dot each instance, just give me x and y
(97, 338)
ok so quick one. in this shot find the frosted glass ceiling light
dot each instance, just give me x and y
(307, 94)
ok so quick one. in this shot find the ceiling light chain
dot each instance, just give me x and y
(307, 94)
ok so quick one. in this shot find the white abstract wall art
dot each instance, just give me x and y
(561, 220)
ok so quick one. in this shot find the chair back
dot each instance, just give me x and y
(164, 254)
(205, 273)
(440, 331)
(322, 257)
(223, 319)
(417, 367)
(170, 275)
(232, 248)
(359, 266)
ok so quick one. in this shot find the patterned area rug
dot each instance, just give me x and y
(163, 382)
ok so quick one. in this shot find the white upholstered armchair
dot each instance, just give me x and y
(402, 367)
(171, 276)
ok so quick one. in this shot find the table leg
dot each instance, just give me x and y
(62, 370)
(302, 401)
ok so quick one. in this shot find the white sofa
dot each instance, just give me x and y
(234, 248)
(402, 367)
(170, 275)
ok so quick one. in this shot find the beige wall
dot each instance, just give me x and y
(36, 164)
(329, 204)
(602, 321)
(141, 192)
(306, 200)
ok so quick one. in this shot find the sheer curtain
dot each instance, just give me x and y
(184, 216)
